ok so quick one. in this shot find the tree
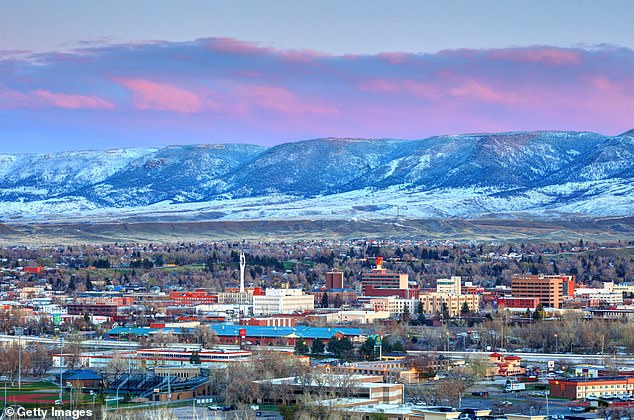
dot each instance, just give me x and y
(89, 285)
(539, 312)
(73, 350)
(465, 309)
(445, 312)
(340, 347)
(205, 336)
(317, 347)
(301, 348)
(367, 349)
(406, 316)
(324, 300)
(116, 366)
(453, 387)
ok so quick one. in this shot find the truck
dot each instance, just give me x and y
(515, 387)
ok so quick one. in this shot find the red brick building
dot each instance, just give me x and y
(581, 388)
(197, 297)
(518, 303)
(334, 280)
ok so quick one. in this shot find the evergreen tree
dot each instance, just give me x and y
(301, 348)
(324, 300)
(406, 316)
(465, 309)
(445, 312)
(317, 347)
(194, 359)
(367, 349)
(89, 285)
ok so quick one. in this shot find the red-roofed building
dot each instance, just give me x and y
(505, 365)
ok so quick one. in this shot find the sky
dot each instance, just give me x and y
(93, 75)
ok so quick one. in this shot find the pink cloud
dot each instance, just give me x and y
(12, 99)
(41, 98)
(395, 57)
(479, 91)
(555, 56)
(412, 87)
(149, 95)
(280, 99)
(230, 45)
(71, 101)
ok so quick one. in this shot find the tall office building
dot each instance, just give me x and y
(334, 280)
(552, 291)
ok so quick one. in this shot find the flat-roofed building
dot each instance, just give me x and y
(334, 280)
(452, 285)
(381, 279)
(282, 301)
(551, 290)
(431, 303)
(583, 387)
(290, 390)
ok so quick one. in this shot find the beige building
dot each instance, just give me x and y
(282, 301)
(432, 303)
(394, 305)
(452, 285)
(356, 317)
(324, 386)
(244, 298)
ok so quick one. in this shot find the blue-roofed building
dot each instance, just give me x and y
(256, 335)
(79, 378)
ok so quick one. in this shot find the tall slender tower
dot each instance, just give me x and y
(243, 263)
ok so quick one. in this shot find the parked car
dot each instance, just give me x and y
(577, 409)
(214, 408)
(480, 394)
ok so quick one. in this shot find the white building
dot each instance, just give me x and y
(394, 305)
(356, 317)
(607, 294)
(282, 301)
(450, 286)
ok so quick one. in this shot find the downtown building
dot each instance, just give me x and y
(551, 290)
(448, 295)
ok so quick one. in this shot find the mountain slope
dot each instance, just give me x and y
(544, 174)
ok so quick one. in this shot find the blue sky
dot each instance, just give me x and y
(81, 74)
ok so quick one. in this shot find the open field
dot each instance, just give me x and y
(517, 230)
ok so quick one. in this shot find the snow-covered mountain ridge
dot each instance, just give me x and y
(544, 174)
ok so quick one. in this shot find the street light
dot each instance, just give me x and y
(18, 331)
(61, 363)
(70, 385)
(556, 344)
